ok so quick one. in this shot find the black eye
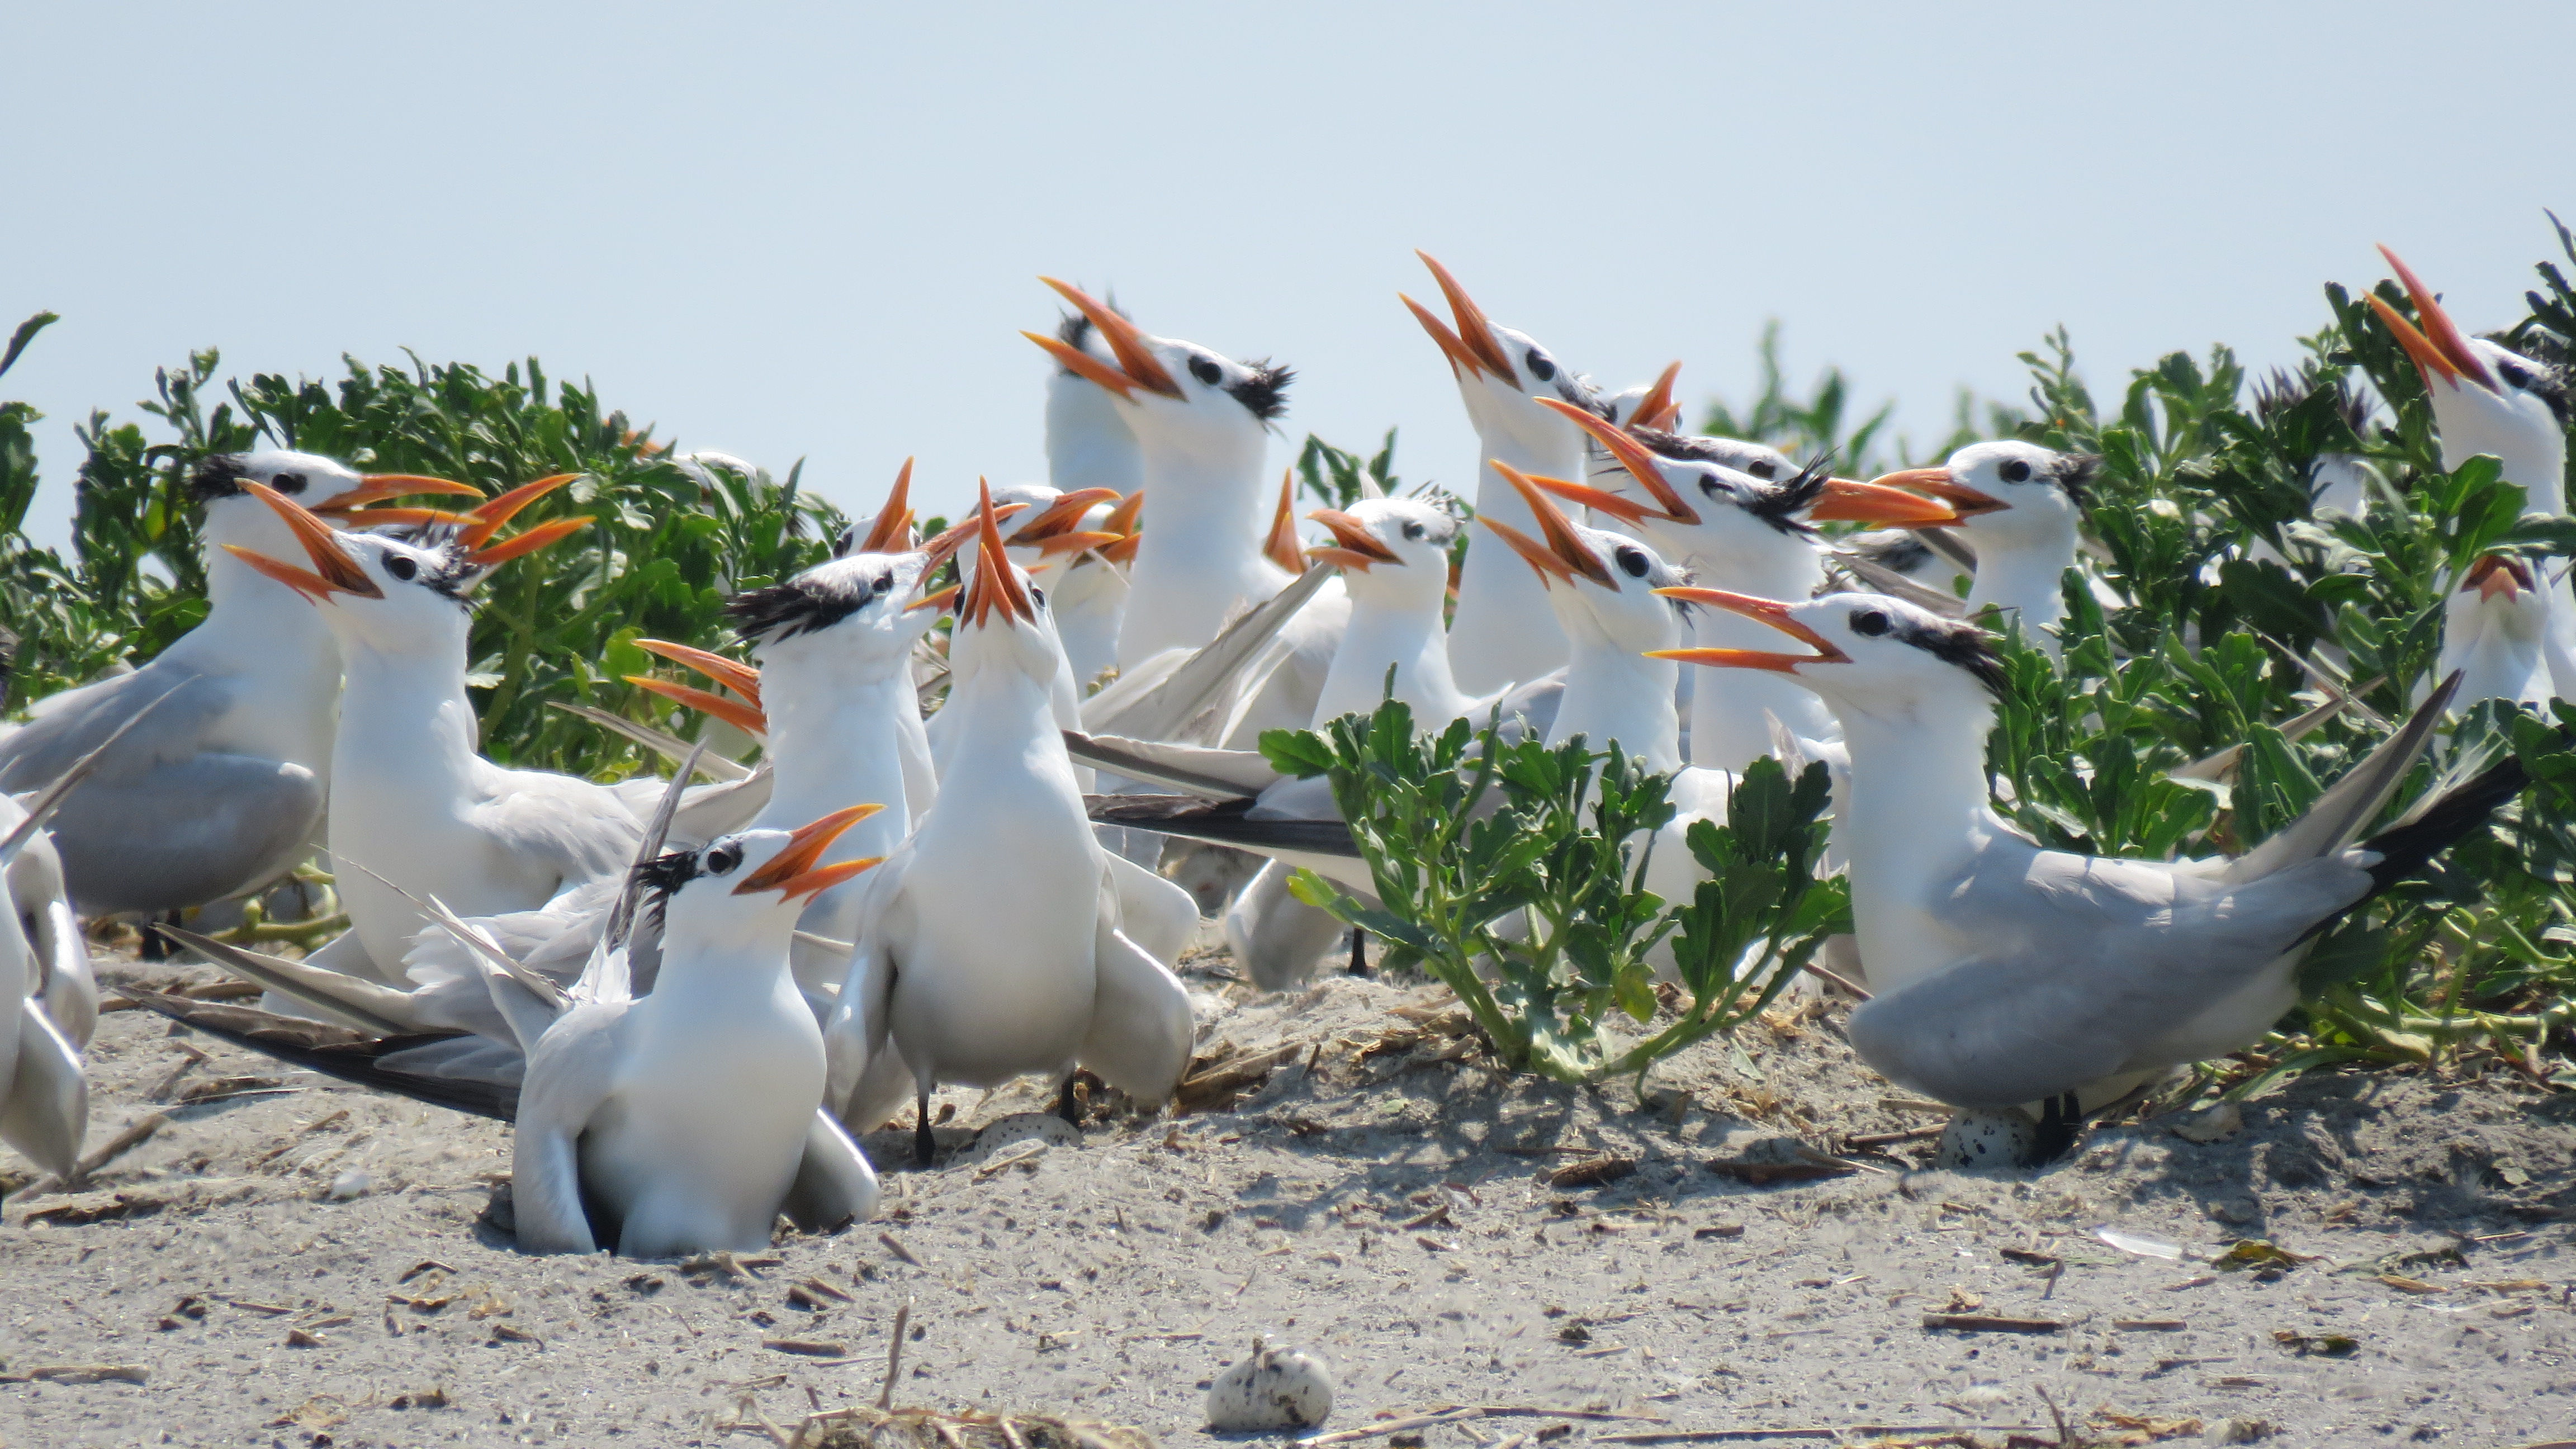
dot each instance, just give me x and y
(1716, 487)
(1206, 371)
(2014, 470)
(1540, 366)
(1632, 561)
(1761, 470)
(2513, 375)
(1413, 531)
(289, 483)
(1870, 622)
(401, 567)
(883, 583)
(723, 858)
(1037, 597)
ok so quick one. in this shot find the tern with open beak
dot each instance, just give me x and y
(2497, 634)
(2032, 987)
(1504, 633)
(2486, 398)
(412, 801)
(989, 946)
(2021, 507)
(1697, 500)
(221, 791)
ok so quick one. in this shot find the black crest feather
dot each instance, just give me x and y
(219, 476)
(1960, 643)
(661, 877)
(2075, 474)
(1781, 504)
(802, 605)
(1265, 392)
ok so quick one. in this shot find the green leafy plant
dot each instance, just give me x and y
(1527, 864)
(1336, 479)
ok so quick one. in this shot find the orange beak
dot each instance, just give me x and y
(945, 545)
(489, 517)
(1657, 409)
(1283, 547)
(1966, 501)
(939, 599)
(376, 487)
(1136, 367)
(2497, 576)
(1564, 555)
(793, 873)
(1358, 548)
(1769, 611)
(733, 674)
(2438, 349)
(333, 571)
(745, 717)
(1059, 518)
(1472, 346)
(1632, 455)
(544, 535)
(892, 528)
(1845, 501)
(995, 585)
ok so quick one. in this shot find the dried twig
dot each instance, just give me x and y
(894, 1352)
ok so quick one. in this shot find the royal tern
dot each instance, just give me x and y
(2486, 398)
(1700, 502)
(2040, 985)
(1504, 633)
(1088, 445)
(223, 791)
(414, 807)
(989, 945)
(2020, 506)
(2497, 635)
(683, 1117)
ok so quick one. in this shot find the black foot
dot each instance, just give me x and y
(925, 1148)
(2061, 1121)
(1359, 952)
(1066, 1106)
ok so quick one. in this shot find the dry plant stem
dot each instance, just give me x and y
(894, 1354)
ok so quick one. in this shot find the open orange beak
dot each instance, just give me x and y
(1769, 611)
(489, 517)
(745, 717)
(1564, 555)
(1471, 347)
(2497, 576)
(2438, 349)
(892, 528)
(333, 571)
(733, 674)
(1123, 521)
(1057, 529)
(1845, 501)
(350, 509)
(995, 586)
(943, 546)
(1136, 366)
(793, 874)
(1632, 455)
(1357, 547)
(1657, 409)
(1966, 502)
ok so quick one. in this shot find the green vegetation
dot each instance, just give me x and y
(1528, 864)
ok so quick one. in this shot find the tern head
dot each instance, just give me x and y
(1879, 655)
(1735, 510)
(1058, 527)
(401, 589)
(1391, 550)
(325, 487)
(2499, 591)
(1174, 395)
(1001, 614)
(1610, 581)
(749, 879)
(853, 611)
(1502, 374)
(1088, 442)
(2486, 398)
(2008, 494)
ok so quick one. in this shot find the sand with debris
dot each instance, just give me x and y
(1754, 1246)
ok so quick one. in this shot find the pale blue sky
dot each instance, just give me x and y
(814, 230)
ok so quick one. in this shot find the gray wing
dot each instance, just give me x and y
(45, 1111)
(1213, 677)
(2347, 807)
(569, 1075)
(1218, 774)
(855, 1040)
(1155, 913)
(571, 828)
(2087, 963)
(1141, 1028)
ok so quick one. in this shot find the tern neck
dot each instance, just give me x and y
(721, 960)
(2520, 434)
(2025, 578)
(1088, 445)
(253, 621)
(407, 730)
(1199, 558)
(1504, 632)
(836, 740)
(1400, 633)
(1916, 808)
(1615, 694)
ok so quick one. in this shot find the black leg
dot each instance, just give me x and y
(1359, 952)
(156, 947)
(925, 1148)
(1065, 1106)
(2061, 1121)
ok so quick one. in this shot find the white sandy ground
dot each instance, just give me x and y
(1381, 1199)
